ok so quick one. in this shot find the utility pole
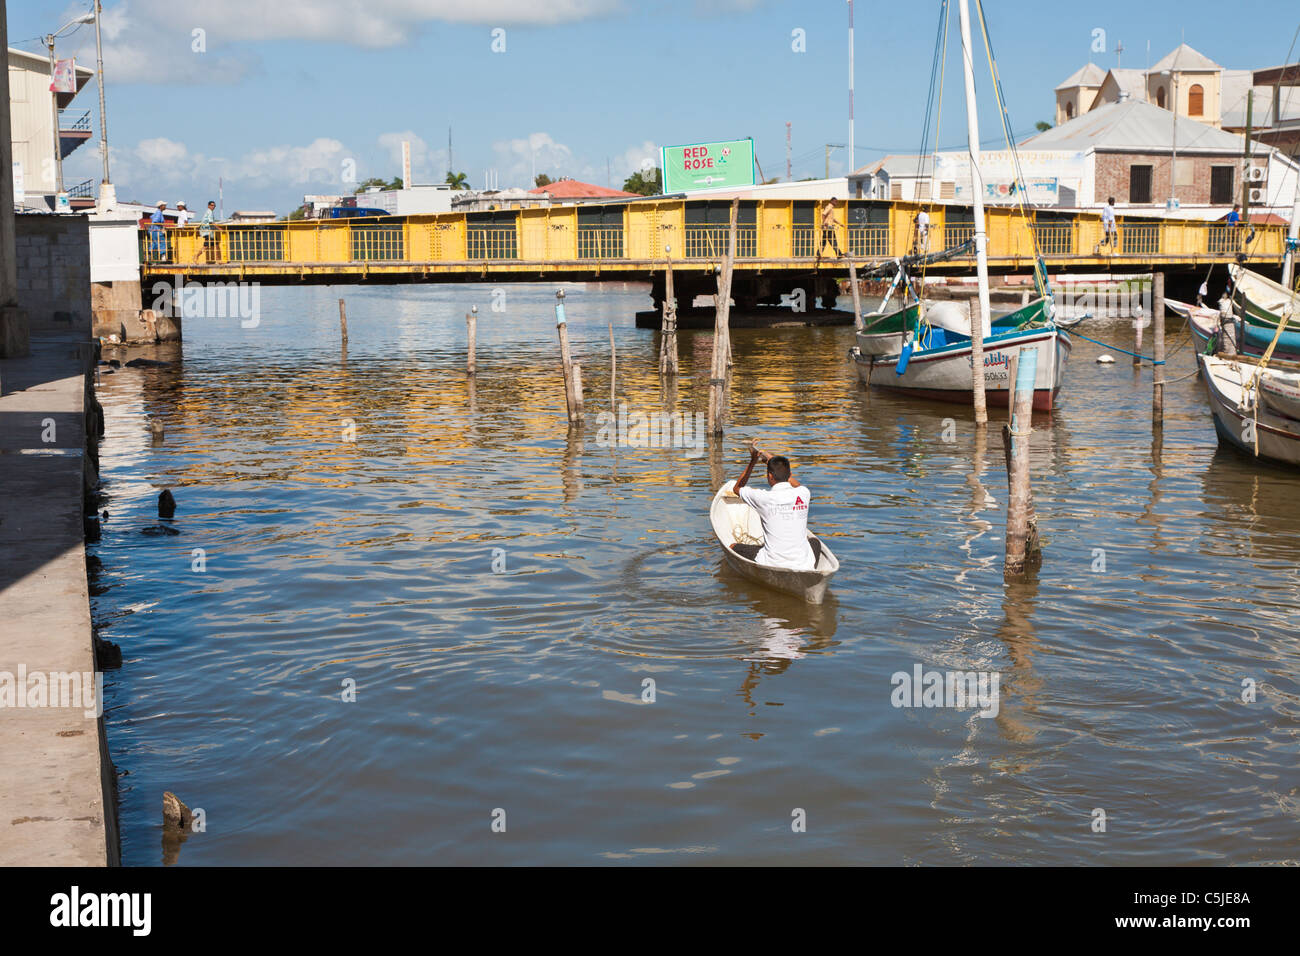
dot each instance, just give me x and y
(788, 174)
(99, 75)
(1292, 237)
(851, 152)
(451, 167)
(54, 114)
(1245, 166)
(829, 147)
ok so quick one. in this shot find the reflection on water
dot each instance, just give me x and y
(498, 587)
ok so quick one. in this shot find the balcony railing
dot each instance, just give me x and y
(73, 123)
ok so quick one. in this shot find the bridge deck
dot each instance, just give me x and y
(631, 240)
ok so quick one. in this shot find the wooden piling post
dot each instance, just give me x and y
(1158, 369)
(1022, 526)
(668, 329)
(343, 321)
(1137, 340)
(576, 381)
(471, 321)
(977, 363)
(613, 366)
(857, 297)
(722, 332)
(572, 399)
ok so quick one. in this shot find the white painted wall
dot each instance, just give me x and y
(114, 248)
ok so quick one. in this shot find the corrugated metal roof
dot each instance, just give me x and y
(900, 165)
(1183, 57)
(1090, 75)
(1132, 82)
(1134, 125)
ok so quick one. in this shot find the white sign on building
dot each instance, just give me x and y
(20, 192)
(1043, 178)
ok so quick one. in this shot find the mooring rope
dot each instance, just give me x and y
(1145, 358)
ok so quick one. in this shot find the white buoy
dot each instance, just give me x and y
(1105, 358)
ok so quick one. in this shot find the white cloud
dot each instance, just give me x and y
(518, 160)
(635, 158)
(427, 165)
(190, 42)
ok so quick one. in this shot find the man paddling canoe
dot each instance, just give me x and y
(783, 510)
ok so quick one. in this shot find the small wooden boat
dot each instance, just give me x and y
(1204, 323)
(734, 521)
(1261, 301)
(882, 332)
(1241, 418)
(1281, 392)
(938, 366)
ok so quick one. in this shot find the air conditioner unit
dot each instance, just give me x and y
(1258, 196)
(1258, 174)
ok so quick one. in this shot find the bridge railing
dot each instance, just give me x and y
(557, 235)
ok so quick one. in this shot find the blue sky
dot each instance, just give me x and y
(286, 96)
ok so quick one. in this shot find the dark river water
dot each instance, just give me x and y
(495, 593)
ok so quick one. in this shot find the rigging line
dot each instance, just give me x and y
(941, 63)
(1020, 194)
(929, 99)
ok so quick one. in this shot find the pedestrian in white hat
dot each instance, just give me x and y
(183, 215)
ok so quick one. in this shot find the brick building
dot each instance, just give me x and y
(1128, 149)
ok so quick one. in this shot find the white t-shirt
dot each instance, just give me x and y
(784, 513)
(183, 216)
(1108, 215)
(923, 220)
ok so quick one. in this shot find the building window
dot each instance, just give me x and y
(1139, 184)
(1160, 97)
(1069, 111)
(1196, 100)
(1221, 185)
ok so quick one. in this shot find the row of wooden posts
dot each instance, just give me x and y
(1022, 545)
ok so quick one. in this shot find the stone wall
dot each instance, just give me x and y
(53, 254)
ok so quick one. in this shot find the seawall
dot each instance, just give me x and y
(57, 782)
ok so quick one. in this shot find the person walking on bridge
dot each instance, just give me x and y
(207, 233)
(828, 229)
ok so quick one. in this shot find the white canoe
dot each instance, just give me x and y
(1259, 299)
(732, 519)
(1239, 424)
(1281, 392)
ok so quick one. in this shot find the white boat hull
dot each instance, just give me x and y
(945, 374)
(1281, 392)
(1225, 381)
(731, 517)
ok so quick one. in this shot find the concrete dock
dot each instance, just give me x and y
(57, 785)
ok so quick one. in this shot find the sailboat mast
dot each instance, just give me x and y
(976, 179)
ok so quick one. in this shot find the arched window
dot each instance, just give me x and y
(1160, 97)
(1069, 111)
(1196, 100)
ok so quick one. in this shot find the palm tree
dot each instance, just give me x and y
(457, 181)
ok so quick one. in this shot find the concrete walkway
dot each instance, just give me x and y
(56, 780)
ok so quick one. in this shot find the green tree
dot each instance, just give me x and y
(643, 185)
(299, 213)
(457, 181)
(1043, 126)
(394, 183)
(541, 179)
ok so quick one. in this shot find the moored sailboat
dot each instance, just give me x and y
(933, 353)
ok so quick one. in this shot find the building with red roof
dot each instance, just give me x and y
(571, 190)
